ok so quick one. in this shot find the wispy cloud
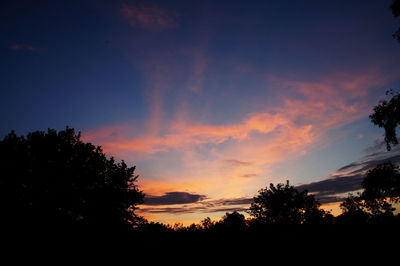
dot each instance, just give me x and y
(23, 47)
(248, 175)
(196, 205)
(236, 163)
(232, 157)
(149, 16)
(348, 178)
(183, 133)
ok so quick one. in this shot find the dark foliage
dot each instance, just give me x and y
(381, 188)
(387, 115)
(396, 13)
(53, 180)
(283, 204)
(353, 212)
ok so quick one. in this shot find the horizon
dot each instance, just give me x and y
(210, 100)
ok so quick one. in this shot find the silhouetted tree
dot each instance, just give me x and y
(283, 204)
(396, 13)
(207, 224)
(353, 211)
(234, 222)
(381, 188)
(387, 115)
(54, 180)
(156, 227)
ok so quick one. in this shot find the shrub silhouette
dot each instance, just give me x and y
(54, 180)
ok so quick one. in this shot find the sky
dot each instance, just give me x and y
(210, 100)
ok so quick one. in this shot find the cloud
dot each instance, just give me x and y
(202, 206)
(326, 190)
(180, 134)
(236, 163)
(233, 201)
(379, 145)
(150, 17)
(348, 178)
(171, 198)
(23, 47)
(188, 139)
(248, 175)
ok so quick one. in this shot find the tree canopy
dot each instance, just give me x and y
(283, 204)
(381, 187)
(53, 179)
(396, 13)
(387, 115)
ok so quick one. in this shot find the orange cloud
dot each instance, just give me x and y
(183, 133)
(234, 159)
(281, 130)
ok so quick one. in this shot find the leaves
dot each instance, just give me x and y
(56, 179)
(283, 204)
(387, 115)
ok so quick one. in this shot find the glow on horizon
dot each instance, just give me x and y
(206, 98)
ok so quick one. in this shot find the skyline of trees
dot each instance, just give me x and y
(54, 180)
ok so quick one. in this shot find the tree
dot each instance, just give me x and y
(283, 204)
(207, 224)
(54, 180)
(234, 222)
(387, 115)
(396, 13)
(353, 211)
(381, 188)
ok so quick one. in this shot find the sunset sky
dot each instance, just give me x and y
(210, 100)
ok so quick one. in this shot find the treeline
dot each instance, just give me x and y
(53, 180)
(284, 205)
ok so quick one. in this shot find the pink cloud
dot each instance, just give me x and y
(197, 150)
(182, 133)
(150, 16)
(325, 104)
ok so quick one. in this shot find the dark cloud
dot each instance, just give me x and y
(171, 198)
(349, 177)
(202, 206)
(326, 190)
(234, 201)
(173, 210)
(378, 146)
(372, 160)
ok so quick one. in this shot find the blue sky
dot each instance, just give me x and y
(210, 99)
